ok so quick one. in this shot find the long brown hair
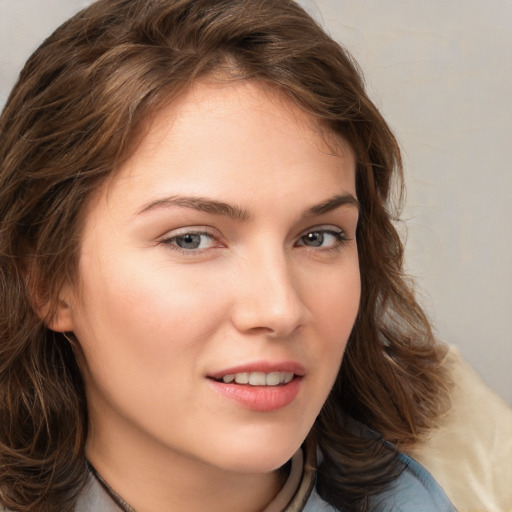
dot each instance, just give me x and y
(77, 111)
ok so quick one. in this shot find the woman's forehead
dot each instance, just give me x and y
(230, 141)
(232, 102)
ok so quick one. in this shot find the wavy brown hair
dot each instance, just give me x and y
(78, 110)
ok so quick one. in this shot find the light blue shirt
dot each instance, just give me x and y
(415, 490)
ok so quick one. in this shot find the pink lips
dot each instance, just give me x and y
(260, 398)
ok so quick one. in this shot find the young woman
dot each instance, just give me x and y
(203, 303)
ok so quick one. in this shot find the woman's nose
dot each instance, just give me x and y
(268, 298)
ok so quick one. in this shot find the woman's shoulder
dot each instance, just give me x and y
(414, 490)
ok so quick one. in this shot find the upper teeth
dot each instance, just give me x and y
(259, 378)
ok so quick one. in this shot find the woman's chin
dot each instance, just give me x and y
(257, 459)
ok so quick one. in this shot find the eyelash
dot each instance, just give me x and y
(340, 239)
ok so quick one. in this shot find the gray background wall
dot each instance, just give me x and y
(441, 73)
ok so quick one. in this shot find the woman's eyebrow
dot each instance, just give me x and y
(331, 204)
(220, 208)
(198, 203)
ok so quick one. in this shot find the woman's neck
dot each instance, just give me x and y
(151, 479)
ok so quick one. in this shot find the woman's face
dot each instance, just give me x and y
(222, 252)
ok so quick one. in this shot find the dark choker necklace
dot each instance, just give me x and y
(125, 507)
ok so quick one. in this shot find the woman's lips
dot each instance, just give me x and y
(261, 387)
(259, 398)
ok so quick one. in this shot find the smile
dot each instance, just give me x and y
(259, 378)
(260, 386)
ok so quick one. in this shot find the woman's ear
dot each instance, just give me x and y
(57, 317)
(62, 318)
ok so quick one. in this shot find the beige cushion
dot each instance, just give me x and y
(470, 454)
